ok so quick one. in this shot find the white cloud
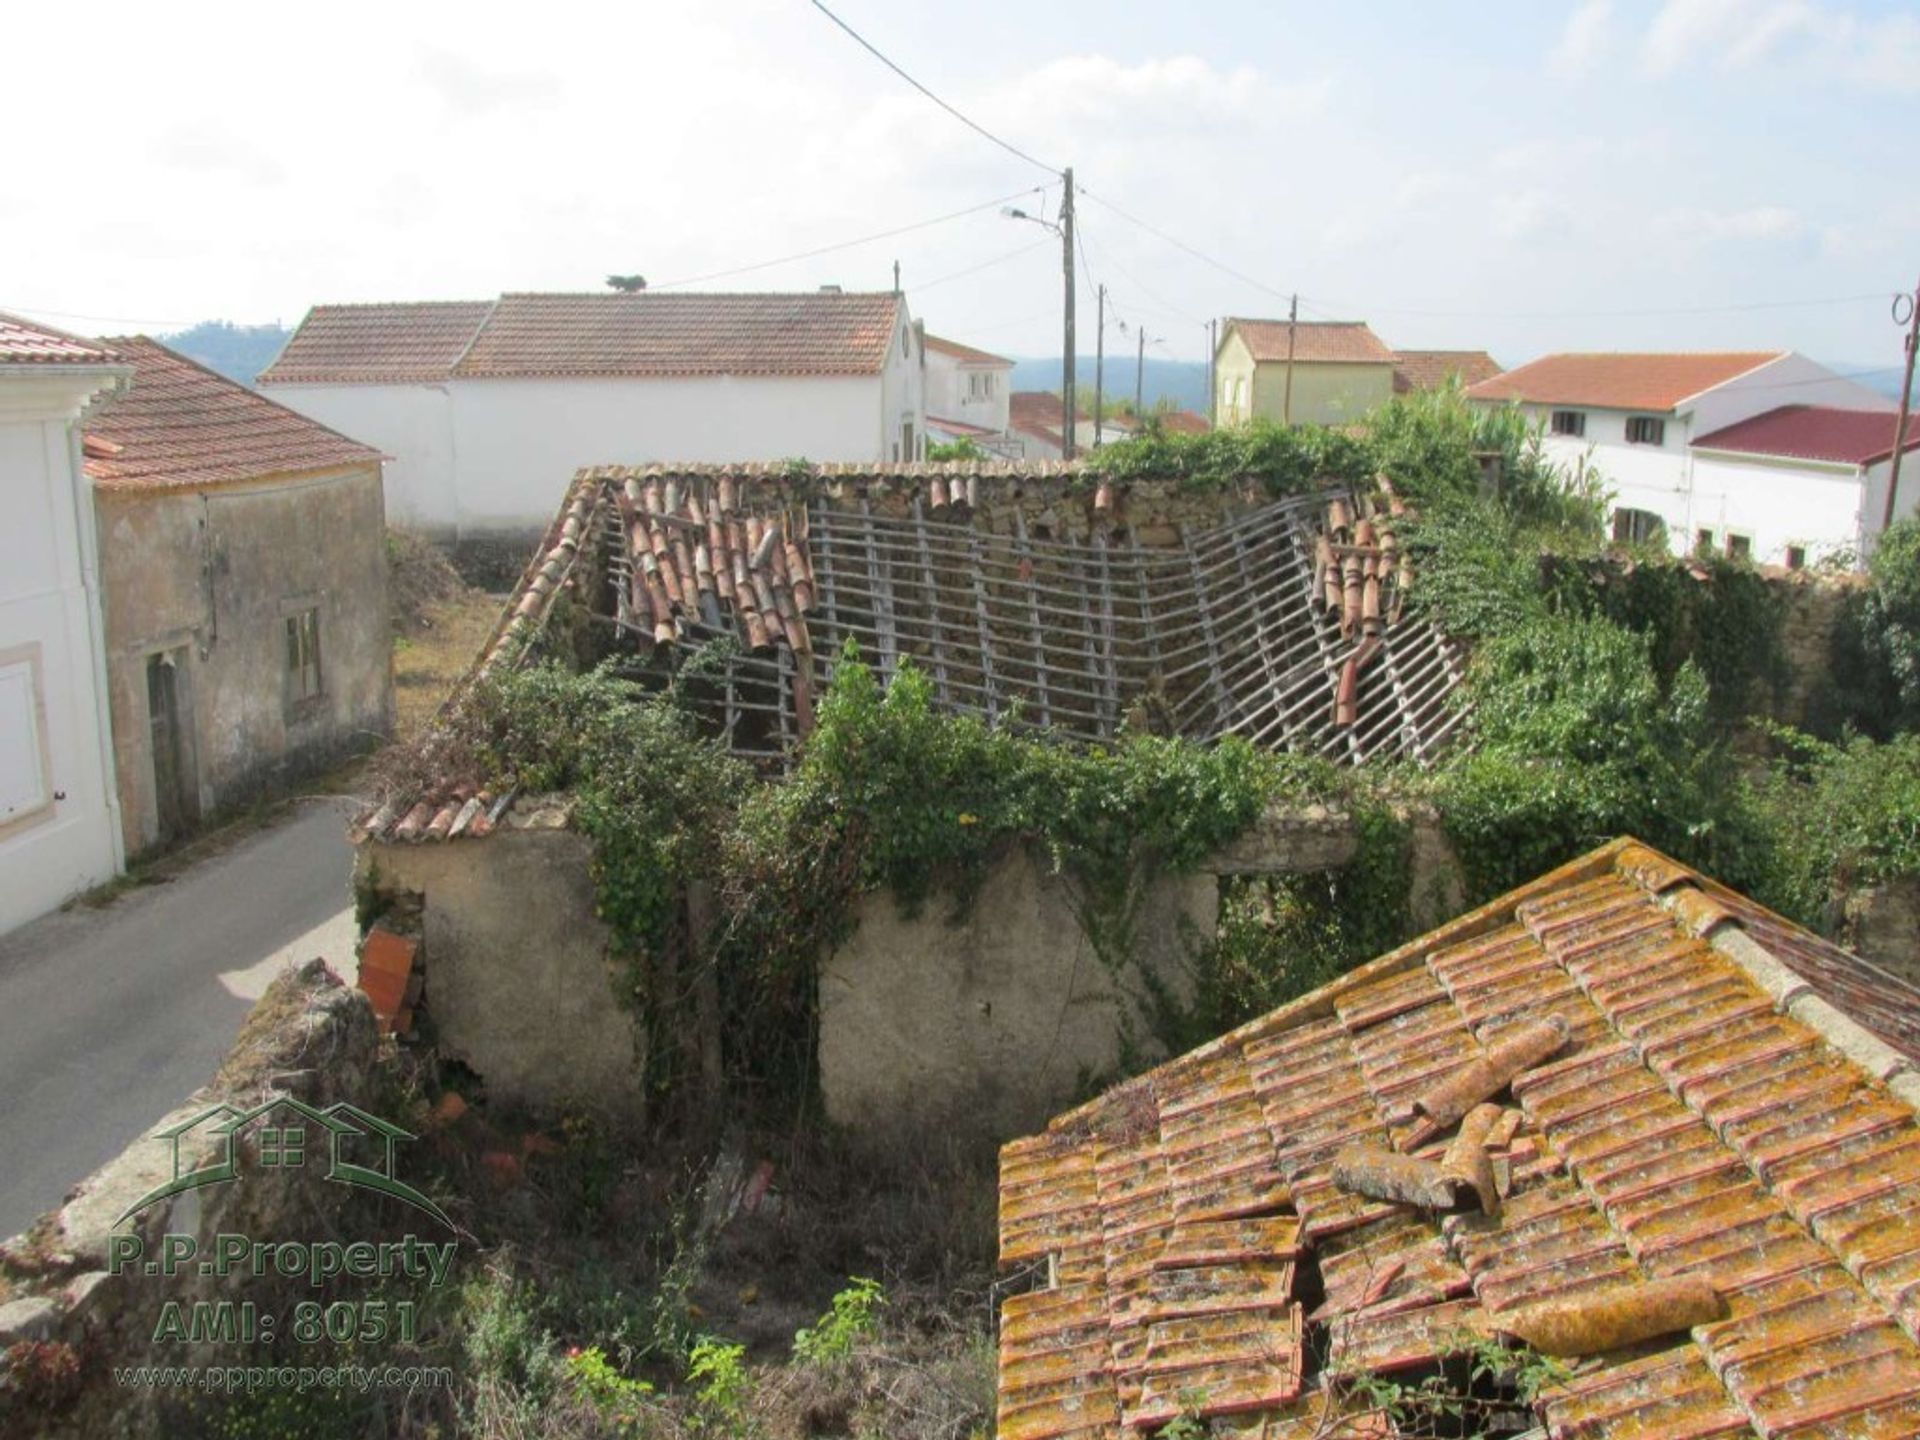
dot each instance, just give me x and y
(1823, 41)
(1585, 39)
(1757, 222)
(1530, 215)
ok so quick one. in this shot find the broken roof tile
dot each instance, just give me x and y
(1687, 1130)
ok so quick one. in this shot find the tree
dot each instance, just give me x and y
(627, 284)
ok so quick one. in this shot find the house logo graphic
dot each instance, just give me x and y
(285, 1125)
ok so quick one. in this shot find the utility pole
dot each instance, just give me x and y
(1099, 364)
(896, 277)
(1069, 411)
(1286, 400)
(1140, 374)
(1213, 345)
(1906, 399)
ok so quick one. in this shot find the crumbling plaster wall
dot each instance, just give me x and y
(996, 1023)
(211, 576)
(520, 981)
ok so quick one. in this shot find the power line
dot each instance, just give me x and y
(1200, 255)
(983, 265)
(845, 244)
(971, 124)
(1731, 308)
(99, 319)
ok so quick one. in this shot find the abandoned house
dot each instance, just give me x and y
(1622, 1115)
(243, 573)
(1033, 593)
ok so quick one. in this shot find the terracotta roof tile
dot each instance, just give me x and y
(812, 333)
(1621, 381)
(378, 344)
(966, 354)
(180, 424)
(1315, 342)
(1700, 1120)
(1430, 369)
(24, 343)
(1814, 432)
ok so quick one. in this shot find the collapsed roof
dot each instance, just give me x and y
(1622, 1113)
(1039, 594)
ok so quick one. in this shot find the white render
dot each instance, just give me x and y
(974, 392)
(479, 457)
(61, 830)
(1669, 480)
(1827, 509)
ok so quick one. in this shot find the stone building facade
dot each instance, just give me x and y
(243, 564)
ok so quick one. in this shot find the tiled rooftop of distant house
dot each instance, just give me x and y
(602, 334)
(1629, 1090)
(1814, 432)
(1313, 342)
(1430, 369)
(1620, 381)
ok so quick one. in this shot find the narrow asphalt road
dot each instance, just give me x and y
(109, 1018)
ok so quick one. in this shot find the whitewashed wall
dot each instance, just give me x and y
(413, 426)
(520, 441)
(1777, 503)
(949, 392)
(49, 639)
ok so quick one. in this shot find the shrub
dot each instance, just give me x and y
(854, 1315)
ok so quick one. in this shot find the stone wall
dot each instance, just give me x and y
(209, 580)
(1811, 605)
(1882, 923)
(520, 983)
(309, 1038)
(999, 1022)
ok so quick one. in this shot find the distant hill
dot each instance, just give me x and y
(1182, 381)
(1885, 379)
(239, 352)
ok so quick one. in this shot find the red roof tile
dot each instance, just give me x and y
(1717, 1112)
(24, 343)
(966, 353)
(1814, 432)
(814, 333)
(180, 424)
(1315, 342)
(378, 344)
(1621, 381)
(1184, 422)
(1037, 413)
(1430, 369)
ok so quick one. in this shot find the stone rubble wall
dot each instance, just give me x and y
(309, 1037)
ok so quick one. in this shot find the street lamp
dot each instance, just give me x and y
(1069, 410)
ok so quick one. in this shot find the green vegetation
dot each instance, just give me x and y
(854, 1316)
(961, 449)
(1604, 694)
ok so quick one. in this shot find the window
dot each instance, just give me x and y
(1739, 547)
(1646, 430)
(1569, 422)
(24, 789)
(907, 451)
(1703, 542)
(1796, 557)
(979, 386)
(1637, 527)
(303, 655)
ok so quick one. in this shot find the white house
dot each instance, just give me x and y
(1801, 483)
(969, 394)
(1635, 418)
(486, 409)
(59, 824)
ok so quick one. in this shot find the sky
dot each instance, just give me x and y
(1519, 177)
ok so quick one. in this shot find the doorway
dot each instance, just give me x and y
(176, 790)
